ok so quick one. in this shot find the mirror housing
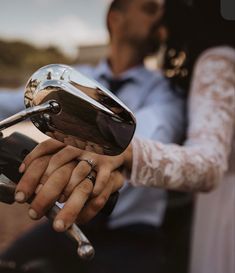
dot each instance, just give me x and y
(65, 105)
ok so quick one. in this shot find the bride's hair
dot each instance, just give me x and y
(193, 26)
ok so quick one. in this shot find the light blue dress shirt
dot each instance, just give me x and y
(160, 115)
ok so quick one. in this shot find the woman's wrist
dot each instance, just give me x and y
(128, 159)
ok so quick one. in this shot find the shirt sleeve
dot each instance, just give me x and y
(11, 102)
(163, 117)
(201, 162)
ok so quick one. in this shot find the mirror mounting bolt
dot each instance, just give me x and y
(55, 107)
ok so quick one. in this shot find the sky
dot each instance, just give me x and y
(63, 23)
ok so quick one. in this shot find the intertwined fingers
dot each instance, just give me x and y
(83, 208)
(51, 190)
(45, 148)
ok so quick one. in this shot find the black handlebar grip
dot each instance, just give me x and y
(13, 150)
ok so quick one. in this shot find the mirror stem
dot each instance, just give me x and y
(48, 107)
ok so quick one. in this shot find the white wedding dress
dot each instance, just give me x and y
(206, 161)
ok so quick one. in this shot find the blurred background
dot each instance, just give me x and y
(34, 33)
(37, 32)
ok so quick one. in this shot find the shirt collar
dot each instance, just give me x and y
(138, 73)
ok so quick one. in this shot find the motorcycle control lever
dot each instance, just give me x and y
(12, 151)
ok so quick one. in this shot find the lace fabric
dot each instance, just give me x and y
(200, 164)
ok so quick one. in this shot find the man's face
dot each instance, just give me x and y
(140, 21)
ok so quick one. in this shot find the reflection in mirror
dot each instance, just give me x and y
(90, 116)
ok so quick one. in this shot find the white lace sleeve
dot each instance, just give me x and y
(200, 163)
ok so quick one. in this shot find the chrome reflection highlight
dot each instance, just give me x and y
(90, 117)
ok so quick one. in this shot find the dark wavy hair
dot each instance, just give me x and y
(120, 5)
(194, 26)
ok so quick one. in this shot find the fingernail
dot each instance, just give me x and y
(59, 225)
(20, 197)
(22, 168)
(38, 188)
(33, 214)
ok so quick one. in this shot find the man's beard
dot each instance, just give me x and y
(153, 43)
(146, 47)
(150, 44)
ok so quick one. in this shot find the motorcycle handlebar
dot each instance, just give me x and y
(13, 150)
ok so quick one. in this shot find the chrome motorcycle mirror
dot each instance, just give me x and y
(67, 106)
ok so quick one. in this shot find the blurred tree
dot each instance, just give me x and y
(18, 60)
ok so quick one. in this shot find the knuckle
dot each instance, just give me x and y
(69, 149)
(39, 161)
(69, 215)
(43, 146)
(81, 170)
(54, 159)
(99, 202)
(61, 173)
(85, 188)
(102, 180)
(105, 174)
